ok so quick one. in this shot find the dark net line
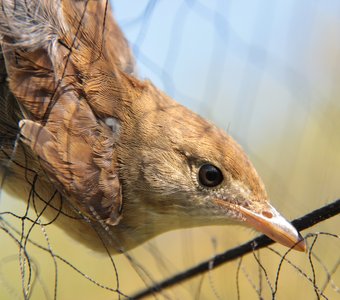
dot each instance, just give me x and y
(306, 221)
(221, 258)
(24, 258)
(11, 231)
(26, 275)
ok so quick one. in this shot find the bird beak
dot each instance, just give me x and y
(272, 224)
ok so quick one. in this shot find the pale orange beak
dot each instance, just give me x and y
(272, 224)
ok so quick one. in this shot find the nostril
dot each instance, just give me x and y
(267, 214)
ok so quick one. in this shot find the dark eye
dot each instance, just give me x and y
(210, 175)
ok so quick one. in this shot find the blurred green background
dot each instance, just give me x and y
(268, 73)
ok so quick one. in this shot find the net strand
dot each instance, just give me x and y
(306, 221)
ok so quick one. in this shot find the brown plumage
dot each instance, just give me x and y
(127, 161)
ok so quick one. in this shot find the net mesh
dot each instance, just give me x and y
(265, 72)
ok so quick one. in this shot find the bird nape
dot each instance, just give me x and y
(127, 161)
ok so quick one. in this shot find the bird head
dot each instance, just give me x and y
(183, 171)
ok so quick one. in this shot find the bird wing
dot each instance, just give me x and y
(99, 28)
(48, 62)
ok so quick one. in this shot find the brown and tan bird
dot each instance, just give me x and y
(128, 162)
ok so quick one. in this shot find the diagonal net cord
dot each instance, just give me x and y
(306, 221)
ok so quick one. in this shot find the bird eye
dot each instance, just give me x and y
(210, 175)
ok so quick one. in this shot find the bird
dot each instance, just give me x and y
(110, 158)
